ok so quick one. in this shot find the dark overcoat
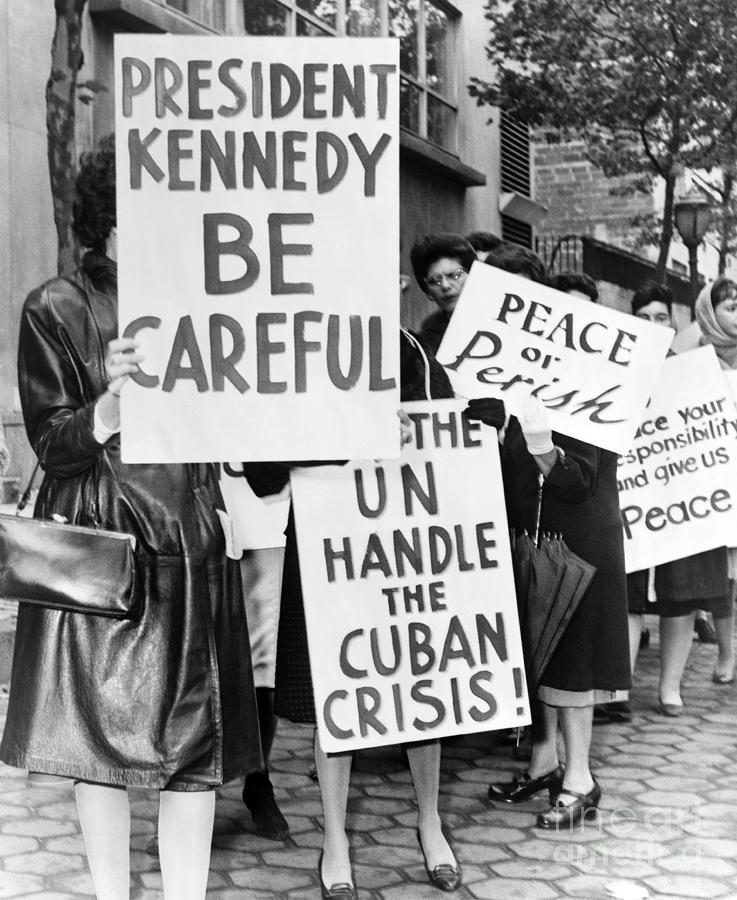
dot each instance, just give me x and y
(580, 500)
(164, 702)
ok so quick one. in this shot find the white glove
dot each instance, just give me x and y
(536, 428)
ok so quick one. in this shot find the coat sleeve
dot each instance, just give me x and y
(59, 417)
(575, 477)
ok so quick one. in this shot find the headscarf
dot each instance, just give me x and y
(712, 332)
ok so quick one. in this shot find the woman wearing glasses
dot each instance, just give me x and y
(440, 263)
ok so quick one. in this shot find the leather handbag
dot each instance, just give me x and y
(68, 567)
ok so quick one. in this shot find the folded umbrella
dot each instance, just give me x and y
(550, 581)
(575, 580)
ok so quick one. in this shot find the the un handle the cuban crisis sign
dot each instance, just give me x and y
(678, 480)
(408, 589)
(258, 246)
(591, 366)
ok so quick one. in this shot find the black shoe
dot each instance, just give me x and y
(258, 795)
(445, 877)
(704, 631)
(521, 787)
(561, 815)
(616, 711)
(342, 890)
(152, 848)
(644, 638)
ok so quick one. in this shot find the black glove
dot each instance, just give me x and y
(489, 410)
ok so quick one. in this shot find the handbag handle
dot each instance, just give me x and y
(26, 495)
(418, 346)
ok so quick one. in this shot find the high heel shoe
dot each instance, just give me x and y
(342, 890)
(445, 877)
(521, 787)
(562, 815)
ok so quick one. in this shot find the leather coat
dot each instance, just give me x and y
(164, 702)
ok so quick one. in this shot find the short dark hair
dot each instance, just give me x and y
(432, 247)
(652, 292)
(723, 289)
(484, 241)
(93, 211)
(520, 261)
(575, 281)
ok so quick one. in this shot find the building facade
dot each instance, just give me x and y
(455, 172)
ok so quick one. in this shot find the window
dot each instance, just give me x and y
(206, 11)
(426, 30)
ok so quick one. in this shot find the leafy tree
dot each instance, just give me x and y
(62, 92)
(649, 85)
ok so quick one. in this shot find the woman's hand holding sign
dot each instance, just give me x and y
(405, 428)
(538, 434)
(121, 361)
(489, 410)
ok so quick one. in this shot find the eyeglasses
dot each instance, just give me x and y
(453, 276)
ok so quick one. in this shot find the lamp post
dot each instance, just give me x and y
(692, 215)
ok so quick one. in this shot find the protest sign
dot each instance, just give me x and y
(591, 366)
(677, 481)
(258, 248)
(408, 589)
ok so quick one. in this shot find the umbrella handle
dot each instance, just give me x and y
(538, 516)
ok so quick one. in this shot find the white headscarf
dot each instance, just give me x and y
(712, 332)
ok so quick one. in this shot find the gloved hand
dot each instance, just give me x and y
(536, 428)
(489, 410)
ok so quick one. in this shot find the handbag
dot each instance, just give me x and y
(68, 567)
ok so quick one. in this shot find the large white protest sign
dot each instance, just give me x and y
(592, 367)
(677, 483)
(408, 589)
(257, 212)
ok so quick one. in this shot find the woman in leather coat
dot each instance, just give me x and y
(164, 702)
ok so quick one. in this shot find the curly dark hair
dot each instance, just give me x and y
(518, 260)
(93, 211)
(575, 281)
(652, 292)
(483, 241)
(432, 247)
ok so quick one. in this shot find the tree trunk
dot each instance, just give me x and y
(667, 234)
(727, 224)
(61, 96)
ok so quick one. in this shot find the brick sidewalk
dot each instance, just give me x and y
(668, 820)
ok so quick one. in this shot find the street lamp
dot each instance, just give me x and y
(692, 215)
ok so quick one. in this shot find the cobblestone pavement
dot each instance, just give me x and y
(668, 818)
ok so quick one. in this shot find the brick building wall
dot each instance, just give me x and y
(579, 199)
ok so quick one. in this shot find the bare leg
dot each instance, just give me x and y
(635, 622)
(334, 776)
(724, 628)
(185, 833)
(424, 764)
(104, 814)
(676, 637)
(575, 724)
(545, 744)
